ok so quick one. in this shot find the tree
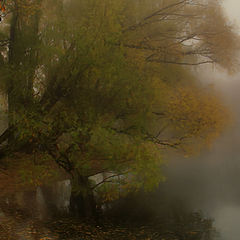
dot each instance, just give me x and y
(193, 117)
(90, 93)
(182, 32)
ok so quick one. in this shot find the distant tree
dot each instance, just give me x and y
(182, 32)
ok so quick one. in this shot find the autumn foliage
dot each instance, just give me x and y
(104, 87)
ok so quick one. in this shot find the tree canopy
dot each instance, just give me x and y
(104, 86)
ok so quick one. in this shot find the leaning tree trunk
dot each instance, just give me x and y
(22, 58)
(82, 202)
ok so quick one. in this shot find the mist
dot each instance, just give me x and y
(210, 181)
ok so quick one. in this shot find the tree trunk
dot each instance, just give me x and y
(23, 58)
(82, 202)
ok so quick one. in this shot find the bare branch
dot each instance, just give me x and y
(143, 22)
(181, 63)
(106, 179)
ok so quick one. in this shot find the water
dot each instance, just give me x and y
(227, 220)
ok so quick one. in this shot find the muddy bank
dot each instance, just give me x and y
(190, 226)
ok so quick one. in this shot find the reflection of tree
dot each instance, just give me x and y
(194, 227)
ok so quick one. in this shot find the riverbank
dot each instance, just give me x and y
(72, 229)
(18, 227)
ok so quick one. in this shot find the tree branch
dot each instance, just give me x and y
(181, 63)
(107, 179)
(143, 22)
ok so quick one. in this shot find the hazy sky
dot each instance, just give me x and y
(233, 10)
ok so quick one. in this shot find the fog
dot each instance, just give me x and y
(232, 10)
(210, 182)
